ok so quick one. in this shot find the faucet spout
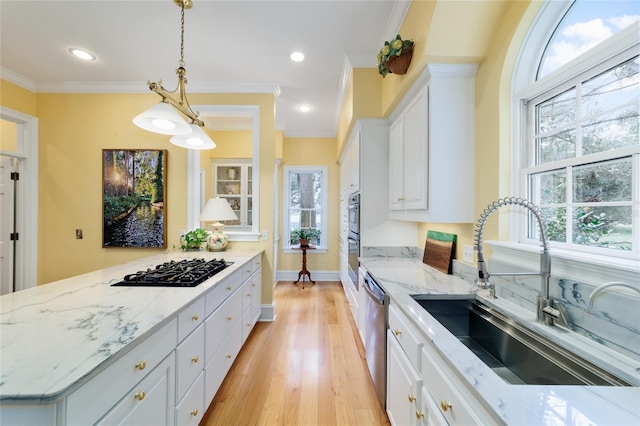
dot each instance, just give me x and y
(594, 293)
(545, 259)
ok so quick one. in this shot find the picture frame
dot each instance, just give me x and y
(134, 198)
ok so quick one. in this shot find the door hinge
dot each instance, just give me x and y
(15, 176)
(14, 236)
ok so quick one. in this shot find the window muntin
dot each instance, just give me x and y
(585, 25)
(584, 156)
(305, 202)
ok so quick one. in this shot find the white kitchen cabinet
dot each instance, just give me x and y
(100, 394)
(150, 402)
(432, 148)
(403, 386)
(447, 393)
(191, 409)
(409, 156)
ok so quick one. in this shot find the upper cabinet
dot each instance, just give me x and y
(432, 148)
(233, 180)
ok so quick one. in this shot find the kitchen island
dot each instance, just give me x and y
(483, 395)
(67, 345)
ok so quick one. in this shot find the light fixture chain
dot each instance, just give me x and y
(181, 63)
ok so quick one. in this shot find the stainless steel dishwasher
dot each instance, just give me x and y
(376, 308)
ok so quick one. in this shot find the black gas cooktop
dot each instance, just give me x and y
(183, 273)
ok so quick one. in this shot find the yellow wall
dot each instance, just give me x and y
(73, 129)
(17, 98)
(8, 136)
(314, 152)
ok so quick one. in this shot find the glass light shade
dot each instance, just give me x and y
(217, 209)
(197, 139)
(164, 119)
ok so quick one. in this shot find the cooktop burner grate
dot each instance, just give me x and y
(183, 273)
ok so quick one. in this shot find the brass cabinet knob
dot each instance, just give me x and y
(248, 294)
(195, 359)
(140, 395)
(397, 332)
(195, 317)
(248, 271)
(229, 318)
(411, 398)
(253, 285)
(229, 356)
(419, 414)
(229, 288)
(445, 405)
(194, 412)
(141, 365)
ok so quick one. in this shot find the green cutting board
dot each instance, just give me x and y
(439, 249)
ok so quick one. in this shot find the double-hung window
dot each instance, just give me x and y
(305, 203)
(580, 147)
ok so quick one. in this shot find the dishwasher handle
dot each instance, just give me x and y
(374, 290)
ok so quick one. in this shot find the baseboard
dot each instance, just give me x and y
(267, 312)
(315, 275)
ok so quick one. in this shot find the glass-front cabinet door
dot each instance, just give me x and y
(233, 180)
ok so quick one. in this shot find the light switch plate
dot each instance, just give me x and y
(467, 254)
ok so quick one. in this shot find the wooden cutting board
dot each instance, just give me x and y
(439, 249)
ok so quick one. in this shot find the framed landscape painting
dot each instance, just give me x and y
(134, 198)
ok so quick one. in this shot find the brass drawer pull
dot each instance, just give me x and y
(419, 414)
(229, 288)
(445, 405)
(140, 395)
(195, 317)
(397, 332)
(195, 359)
(141, 365)
(229, 318)
(411, 398)
(194, 412)
(229, 356)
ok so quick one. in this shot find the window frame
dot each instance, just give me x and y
(570, 263)
(286, 199)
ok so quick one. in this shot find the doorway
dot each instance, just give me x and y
(19, 204)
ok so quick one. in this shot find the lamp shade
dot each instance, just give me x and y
(197, 139)
(164, 119)
(217, 209)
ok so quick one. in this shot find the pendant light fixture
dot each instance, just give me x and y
(164, 117)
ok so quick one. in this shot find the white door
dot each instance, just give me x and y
(7, 223)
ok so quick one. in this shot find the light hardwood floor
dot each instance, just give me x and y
(306, 368)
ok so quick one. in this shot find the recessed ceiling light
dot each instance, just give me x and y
(82, 54)
(304, 108)
(297, 57)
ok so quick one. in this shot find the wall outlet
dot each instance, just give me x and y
(467, 254)
(78, 234)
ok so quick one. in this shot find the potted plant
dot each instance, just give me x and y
(395, 56)
(304, 235)
(194, 240)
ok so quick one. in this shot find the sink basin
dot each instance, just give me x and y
(516, 354)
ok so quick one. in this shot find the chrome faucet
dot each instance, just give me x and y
(546, 313)
(601, 287)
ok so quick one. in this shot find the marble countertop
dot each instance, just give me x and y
(55, 335)
(513, 404)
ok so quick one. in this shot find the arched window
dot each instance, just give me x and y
(577, 102)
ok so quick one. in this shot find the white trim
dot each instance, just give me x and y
(26, 271)
(286, 198)
(193, 162)
(287, 277)
(267, 313)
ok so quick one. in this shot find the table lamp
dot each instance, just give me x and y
(217, 209)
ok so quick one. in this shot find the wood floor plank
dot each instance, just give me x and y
(306, 368)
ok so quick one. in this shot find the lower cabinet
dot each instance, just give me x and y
(191, 409)
(404, 385)
(422, 389)
(150, 402)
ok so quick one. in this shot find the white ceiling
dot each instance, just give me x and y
(230, 46)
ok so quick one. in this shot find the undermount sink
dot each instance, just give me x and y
(516, 354)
